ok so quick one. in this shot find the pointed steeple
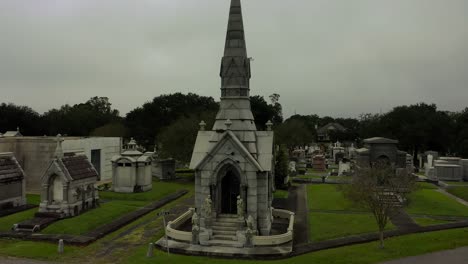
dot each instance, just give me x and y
(235, 77)
(235, 65)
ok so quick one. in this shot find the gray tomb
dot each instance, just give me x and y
(379, 149)
(68, 185)
(12, 182)
(131, 171)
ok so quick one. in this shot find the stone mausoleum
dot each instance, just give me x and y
(379, 149)
(68, 185)
(131, 170)
(233, 164)
(12, 182)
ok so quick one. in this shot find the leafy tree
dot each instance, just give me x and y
(13, 116)
(147, 122)
(293, 132)
(80, 119)
(264, 112)
(379, 189)
(178, 139)
(115, 129)
(281, 167)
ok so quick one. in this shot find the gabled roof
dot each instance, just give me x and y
(10, 170)
(71, 167)
(79, 167)
(331, 126)
(380, 140)
(227, 136)
(12, 134)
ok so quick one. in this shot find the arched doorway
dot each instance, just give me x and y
(230, 189)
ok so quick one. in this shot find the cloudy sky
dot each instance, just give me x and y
(326, 57)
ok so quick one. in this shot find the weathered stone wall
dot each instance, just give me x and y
(34, 154)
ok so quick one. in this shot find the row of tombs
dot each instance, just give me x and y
(69, 184)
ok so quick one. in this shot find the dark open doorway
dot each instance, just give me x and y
(229, 192)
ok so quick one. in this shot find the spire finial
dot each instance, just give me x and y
(269, 125)
(228, 124)
(58, 150)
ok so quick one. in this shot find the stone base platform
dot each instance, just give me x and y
(269, 252)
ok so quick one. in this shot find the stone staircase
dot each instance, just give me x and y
(225, 229)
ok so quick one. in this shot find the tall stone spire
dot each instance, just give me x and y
(235, 76)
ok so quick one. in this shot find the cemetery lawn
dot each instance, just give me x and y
(7, 222)
(367, 253)
(282, 194)
(431, 202)
(114, 206)
(323, 226)
(332, 215)
(33, 199)
(160, 189)
(426, 221)
(92, 219)
(328, 197)
(460, 192)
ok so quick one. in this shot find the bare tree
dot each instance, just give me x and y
(380, 189)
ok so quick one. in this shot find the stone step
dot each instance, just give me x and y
(224, 233)
(227, 216)
(225, 243)
(225, 228)
(225, 237)
(229, 220)
(225, 224)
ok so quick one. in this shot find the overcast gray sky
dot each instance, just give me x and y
(326, 57)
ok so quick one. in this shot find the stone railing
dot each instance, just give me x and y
(277, 239)
(171, 228)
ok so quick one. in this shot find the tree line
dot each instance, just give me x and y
(170, 123)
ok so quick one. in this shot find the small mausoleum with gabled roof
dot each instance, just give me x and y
(68, 184)
(131, 171)
(12, 182)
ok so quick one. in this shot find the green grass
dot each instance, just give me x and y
(160, 189)
(425, 185)
(460, 192)
(34, 199)
(431, 202)
(282, 194)
(29, 249)
(7, 222)
(425, 221)
(325, 226)
(92, 219)
(117, 206)
(368, 253)
(456, 183)
(327, 197)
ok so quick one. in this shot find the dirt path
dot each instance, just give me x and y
(298, 195)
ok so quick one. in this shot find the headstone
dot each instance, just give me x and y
(149, 253)
(60, 247)
(318, 163)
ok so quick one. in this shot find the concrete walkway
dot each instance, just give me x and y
(465, 203)
(455, 256)
(21, 261)
(301, 225)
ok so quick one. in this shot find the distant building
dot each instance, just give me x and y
(324, 133)
(379, 149)
(34, 154)
(16, 133)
